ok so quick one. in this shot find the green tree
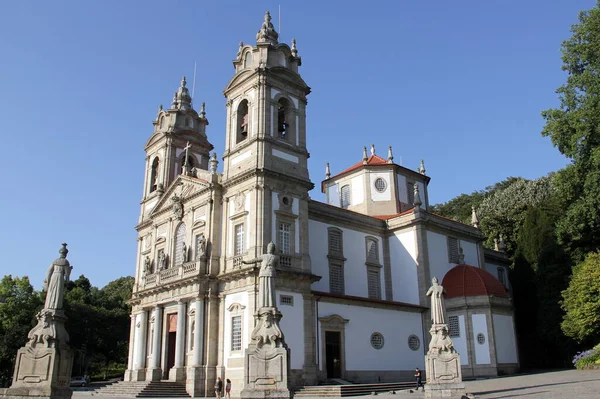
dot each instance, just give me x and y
(581, 301)
(574, 129)
(18, 307)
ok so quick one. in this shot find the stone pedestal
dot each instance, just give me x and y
(266, 368)
(43, 366)
(177, 374)
(196, 381)
(442, 362)
(154, 374)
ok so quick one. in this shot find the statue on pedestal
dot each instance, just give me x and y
(43, 366)
(443, 367)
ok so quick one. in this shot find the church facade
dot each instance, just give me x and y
(353, 271)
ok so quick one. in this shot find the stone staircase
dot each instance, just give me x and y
(145, 389)
(350, 389)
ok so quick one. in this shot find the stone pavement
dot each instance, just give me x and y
(550, 385)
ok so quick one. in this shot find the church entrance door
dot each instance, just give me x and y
(171, 339)
(333, 354)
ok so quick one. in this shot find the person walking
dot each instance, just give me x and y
(419, 379)
(218, 387)
(227, 389)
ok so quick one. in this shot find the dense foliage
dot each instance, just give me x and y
(98, 323)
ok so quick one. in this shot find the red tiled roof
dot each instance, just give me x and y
(373, 160)
(386, 217)
(465, 280)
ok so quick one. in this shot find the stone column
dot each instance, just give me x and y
(199, 331)
(196, 373)
(177, 373)
(155, 372)
(139, 361)
(129, 371)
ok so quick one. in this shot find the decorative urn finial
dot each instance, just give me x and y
(182, 99)
(474, 218)
(213, 163)
(294, 49)
(390, 155)
(327, 171)
(421, 169)
(365, 157)
(203, 111)
(416, 197)
(267, 33)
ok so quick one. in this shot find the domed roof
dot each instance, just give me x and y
(465, 280)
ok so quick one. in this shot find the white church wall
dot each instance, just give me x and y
(404, 267)
(395, 327)
(357, 187)
(460, 342)
(504, 337)
(470, 252)
(376, 195)
(247, 324)
(333, 195)
(317, 241)
(438, 254)
(292, 326)
(482, 351)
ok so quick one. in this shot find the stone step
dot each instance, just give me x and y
(350, 389)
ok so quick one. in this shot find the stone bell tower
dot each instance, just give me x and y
(178, 145)
(265, 160)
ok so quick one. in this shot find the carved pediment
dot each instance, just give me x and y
(334, 320)
(236, 307)
(183, 187)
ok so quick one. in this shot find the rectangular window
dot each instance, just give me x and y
(410, 193)
(236, 333)
(453, 326)
(239, 239)
(335, 242)
(372, 251)
(374, 284)
(336, 278)
(345, 196)
(502, 276)
(286, 300)
(285, 238)
(453, 250)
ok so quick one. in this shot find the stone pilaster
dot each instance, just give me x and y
(196, 373)
(154, 372)
(177, 373)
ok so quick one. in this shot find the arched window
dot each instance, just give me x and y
(248, 59)
(154, 175)
(345, 196)
(283, 117)
(162, 119)
(180, 246)
(242, 122)
(372, 250)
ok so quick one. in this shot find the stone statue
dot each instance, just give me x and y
(57, 275)
(266, 277)
(200, 246)
(162, 261)
(438, 310)
(147, 265)
(184, 253)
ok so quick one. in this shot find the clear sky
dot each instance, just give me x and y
(458, 83)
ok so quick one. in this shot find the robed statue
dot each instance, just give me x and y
(57, 275)
(438, 310)
(266, 277)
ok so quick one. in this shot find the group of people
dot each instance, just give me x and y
(219, 388)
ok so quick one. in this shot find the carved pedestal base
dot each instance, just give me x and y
(266, 368)
(444, 390)
(154, 374)
(177, 374)
(195, 383)
(443, 370)
(43, 366)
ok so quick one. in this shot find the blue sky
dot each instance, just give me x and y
(458, 83)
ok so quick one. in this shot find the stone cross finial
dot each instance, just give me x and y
(365, 158)
(422, 167)
(390, 155)
(474, 218)
(372, 149)
(327, 171)
(213, 163)
(294, 49)
(417, 198)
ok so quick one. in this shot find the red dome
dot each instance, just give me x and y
(464, 280)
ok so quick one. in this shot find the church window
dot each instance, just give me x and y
(336, 278)
(179, 244)
(414, 343)
(247, 59)
(480, 339)
(286, 300)
(239, 239)
(345, 196)
(453, 326)
(453, 250)
(372, 250)
(380, 185)
(502, 275)
(410, 192)
(373, 283)
(236, 333)
(283, 118)
(242, 125)
(285, 238)
(335, 242)
(377, 340)
(154, 175)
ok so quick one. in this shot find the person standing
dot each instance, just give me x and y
(419, 379)
(218, 387)
(227, 388)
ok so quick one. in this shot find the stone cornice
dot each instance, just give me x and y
(266, 173)
(328, 213)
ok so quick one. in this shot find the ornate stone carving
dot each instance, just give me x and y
(177, 207)
(239, 202)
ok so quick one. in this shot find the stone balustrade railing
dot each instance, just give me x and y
(184, 270)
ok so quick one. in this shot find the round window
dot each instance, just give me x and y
(414, 342)
(377, 340)
(285, 201)
(380, 184)
(480, 339)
